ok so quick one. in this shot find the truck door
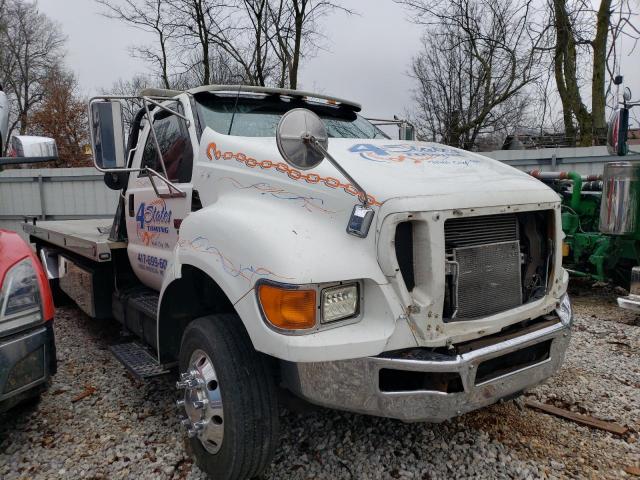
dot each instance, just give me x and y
(153, 222)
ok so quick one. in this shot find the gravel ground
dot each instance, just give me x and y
(128, 429)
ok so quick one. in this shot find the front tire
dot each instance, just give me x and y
(229, 398)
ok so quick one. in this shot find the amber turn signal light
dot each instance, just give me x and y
(288, 309)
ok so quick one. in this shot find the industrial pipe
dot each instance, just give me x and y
(540, 175)
(575, 177)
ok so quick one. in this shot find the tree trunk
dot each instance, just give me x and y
(599, 45)
(165, 62)
(300, 12)
(567, 78)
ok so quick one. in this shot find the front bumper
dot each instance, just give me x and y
(485, 375)
(27, 361)
(630, 302)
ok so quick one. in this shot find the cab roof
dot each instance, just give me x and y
(163, 93)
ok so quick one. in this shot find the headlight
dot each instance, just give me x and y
(20, 296)
(340, 302)
(564, 310)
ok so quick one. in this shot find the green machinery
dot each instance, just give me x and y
(600, 221)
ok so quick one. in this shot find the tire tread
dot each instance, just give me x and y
(258, 430)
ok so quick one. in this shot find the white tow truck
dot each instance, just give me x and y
(271, 240)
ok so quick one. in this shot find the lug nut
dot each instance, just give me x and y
(191, 433)
(185, 376)
(179, 403)
(198, 404)
(199, 425)
(190, 383)
(185, 422)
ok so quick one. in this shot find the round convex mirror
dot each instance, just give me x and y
(627, 94)
(295, 126)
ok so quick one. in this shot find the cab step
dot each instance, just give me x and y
(136, 309)
(138, 360)
(145, 301)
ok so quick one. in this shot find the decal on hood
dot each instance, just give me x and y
(310, 204)
(417, 154)
(292, 173)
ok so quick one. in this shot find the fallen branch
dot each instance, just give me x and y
(87, 391)
(635, 471)
(578, 418)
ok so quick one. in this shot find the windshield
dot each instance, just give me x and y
(258, 116)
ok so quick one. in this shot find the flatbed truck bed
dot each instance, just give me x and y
(88, 238)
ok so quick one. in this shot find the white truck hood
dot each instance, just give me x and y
(385, 168)
(394, 169)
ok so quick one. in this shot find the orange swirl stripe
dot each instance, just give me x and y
(292, 173)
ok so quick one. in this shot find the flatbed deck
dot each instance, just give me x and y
(89, 238)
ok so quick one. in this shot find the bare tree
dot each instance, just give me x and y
(131, 88)
(194, 20)
(478, 58)
(296, 33)
(151, 16)
(256, 42)
(580, 33)
(222, 71)
(30, 44)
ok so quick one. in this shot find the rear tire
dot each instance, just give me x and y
(246, 420)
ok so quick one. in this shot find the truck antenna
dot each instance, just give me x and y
(235, 108)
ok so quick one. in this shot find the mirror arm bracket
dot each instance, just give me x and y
(174, 191)
(362, 214)
(364, 198)
(165, 108)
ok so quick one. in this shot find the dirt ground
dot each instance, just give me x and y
(604, 337)
(124, 428)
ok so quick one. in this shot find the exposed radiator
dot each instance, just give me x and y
(486, 274)
(469, 231)
(493, 263)
(488, 279)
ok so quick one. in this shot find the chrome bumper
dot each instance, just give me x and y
(354, 385)
(631, 302)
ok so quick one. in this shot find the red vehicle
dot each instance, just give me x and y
(27, 345)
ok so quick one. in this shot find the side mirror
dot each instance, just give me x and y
(34, 148)
(302, 140)
(617, 132)
(295, 130)
(106, 124)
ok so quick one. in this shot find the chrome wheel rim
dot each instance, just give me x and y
(202, 402)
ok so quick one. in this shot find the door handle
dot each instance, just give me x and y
(131, 209)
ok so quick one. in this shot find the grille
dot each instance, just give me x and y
(488, 279)
(470, 231)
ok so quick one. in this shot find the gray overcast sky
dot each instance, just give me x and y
(366, 60)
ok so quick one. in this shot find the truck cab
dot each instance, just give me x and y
(273, 240)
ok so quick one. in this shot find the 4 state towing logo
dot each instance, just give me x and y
(416, 154)
(154, 217)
